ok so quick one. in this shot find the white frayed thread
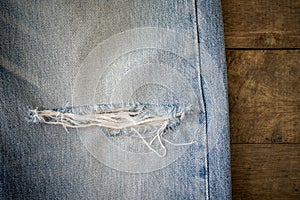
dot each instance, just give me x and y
(115, 118)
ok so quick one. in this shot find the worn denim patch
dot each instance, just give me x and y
(87, 53)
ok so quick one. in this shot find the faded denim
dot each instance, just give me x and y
(156, 52)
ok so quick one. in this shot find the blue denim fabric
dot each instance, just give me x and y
(57, 54)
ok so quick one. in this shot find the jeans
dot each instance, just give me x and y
(84, 53)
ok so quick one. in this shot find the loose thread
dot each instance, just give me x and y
(132, 117)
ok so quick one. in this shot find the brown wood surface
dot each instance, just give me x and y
(264, 97)
(266, 171)
(261, 23)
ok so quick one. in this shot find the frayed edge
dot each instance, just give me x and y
(118, 117)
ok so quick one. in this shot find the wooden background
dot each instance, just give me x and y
(262, 40)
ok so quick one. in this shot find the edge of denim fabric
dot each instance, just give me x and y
(211, 32)
(1, 170)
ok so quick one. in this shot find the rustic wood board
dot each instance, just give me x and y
(264, 96)
(261, 24)
(266, 171)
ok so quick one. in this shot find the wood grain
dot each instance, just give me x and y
(261, 23)
(264, 96)
(266, 171)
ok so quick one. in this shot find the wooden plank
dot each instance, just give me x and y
(266, 171)
(264, 96)
(261, 24)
